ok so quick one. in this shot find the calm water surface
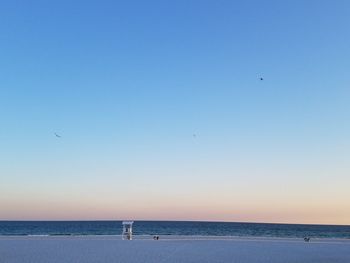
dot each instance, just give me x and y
(172, 228)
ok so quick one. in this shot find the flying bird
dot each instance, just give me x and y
(261, 78)
(58, 136)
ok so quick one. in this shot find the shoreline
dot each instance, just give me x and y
(176, 238)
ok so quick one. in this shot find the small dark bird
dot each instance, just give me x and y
(307, 239)
(261, 78)
(58, 136)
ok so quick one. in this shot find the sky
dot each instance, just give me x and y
(163, 116)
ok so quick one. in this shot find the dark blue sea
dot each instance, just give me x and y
(172, 228)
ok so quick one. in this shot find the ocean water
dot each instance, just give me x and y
(172, 228)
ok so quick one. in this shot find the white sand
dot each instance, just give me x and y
(175, 249)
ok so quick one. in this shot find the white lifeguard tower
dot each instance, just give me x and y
(127, 230)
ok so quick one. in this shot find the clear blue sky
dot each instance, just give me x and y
(127, 85)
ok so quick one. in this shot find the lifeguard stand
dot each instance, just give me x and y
(127, 230)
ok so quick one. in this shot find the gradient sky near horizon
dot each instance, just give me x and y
(162, 114)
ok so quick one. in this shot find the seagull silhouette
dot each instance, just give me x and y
(58, 136)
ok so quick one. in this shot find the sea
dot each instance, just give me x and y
(186, 228)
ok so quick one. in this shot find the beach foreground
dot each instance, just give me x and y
(176, 249)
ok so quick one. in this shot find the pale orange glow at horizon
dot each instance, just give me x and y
(214, 198)
(169, 208)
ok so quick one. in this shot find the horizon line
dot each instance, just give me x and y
(157, 220)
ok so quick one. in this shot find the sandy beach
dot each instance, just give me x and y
(170, 249)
